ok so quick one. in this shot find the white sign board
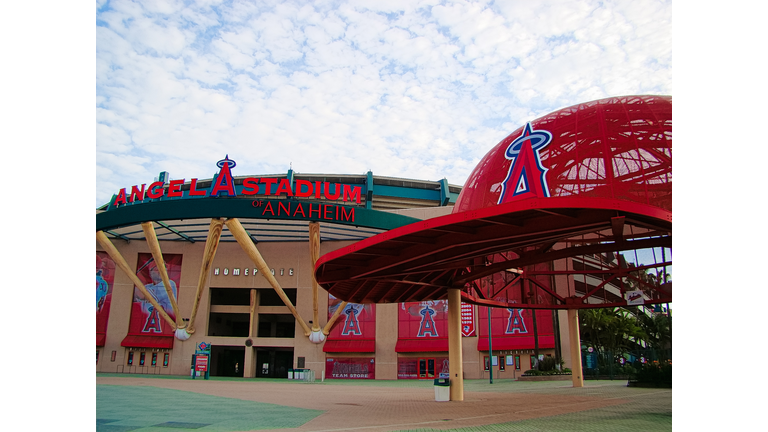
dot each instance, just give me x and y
(635, 298)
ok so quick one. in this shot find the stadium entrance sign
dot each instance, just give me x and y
(284, 209)
(224, 185)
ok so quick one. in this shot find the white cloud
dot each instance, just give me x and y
(407, 89)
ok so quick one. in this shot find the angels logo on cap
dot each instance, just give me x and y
(526, 177)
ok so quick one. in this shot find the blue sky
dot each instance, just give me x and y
(418, 89)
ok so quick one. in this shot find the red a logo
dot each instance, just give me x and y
(427, 324)
(351, 324)
(153, 322)
(515, 323)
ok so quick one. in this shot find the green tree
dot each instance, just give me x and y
(658, 330)
(614, 330)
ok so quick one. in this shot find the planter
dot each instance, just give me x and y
(562, 377)
(606, 377)
(634, 383)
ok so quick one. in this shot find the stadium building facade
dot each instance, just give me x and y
(418, 277)
(224, 299)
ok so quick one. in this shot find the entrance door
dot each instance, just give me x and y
(273, 362)
(227, 361)
(426, 368)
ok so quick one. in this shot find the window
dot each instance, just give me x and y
(154, 359)
(517, 362)
(276, 326)
(166, 356)
(229, 324)
(142, 358)
(533, 362)
(230, 296)
(486, 363)
(268, 297)
(97, 356)
(502, 363)
(130, 358)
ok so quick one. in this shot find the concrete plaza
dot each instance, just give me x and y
(155, 403)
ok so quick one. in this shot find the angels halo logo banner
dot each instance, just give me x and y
(145, 320)
(105, 278)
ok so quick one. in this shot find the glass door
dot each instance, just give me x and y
(426, 368)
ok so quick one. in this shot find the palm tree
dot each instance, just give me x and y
(613, 330)
(658, 328)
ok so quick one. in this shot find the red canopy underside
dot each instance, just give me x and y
(136, 341)
(515, 343)
(101, 339)
(354, 346)
(421, 261)
(422, 345)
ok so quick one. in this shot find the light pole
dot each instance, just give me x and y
(490, 346)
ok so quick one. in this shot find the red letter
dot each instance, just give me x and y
(299, 184)
(325, 211)
(193, 189)
(281, 206)
(318, 189)
(250, 186)
(299, 207)
(136, 193)
(284, 187)
(223, 181)
(120, 197)
(268, 182)
(336, 194)
(347, 216)
(153, 193)
(352, 193)
(268, 208)
(319, 206)
(174, 188)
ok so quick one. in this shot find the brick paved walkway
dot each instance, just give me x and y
(336, 405)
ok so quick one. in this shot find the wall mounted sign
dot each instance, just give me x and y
(224, 185)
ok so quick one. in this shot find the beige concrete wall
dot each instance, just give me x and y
(285, 256)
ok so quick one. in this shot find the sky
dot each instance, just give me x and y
(412, 89)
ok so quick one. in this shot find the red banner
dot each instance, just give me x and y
(467, 320)
(513, 328)
(144, 319)
(350, 368)
(356, 321)
(427, 319)
(105, 278)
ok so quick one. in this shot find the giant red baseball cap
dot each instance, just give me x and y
(591, 180)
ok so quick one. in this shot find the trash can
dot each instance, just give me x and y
(309, 375)
(442, 390)
(290, 373)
